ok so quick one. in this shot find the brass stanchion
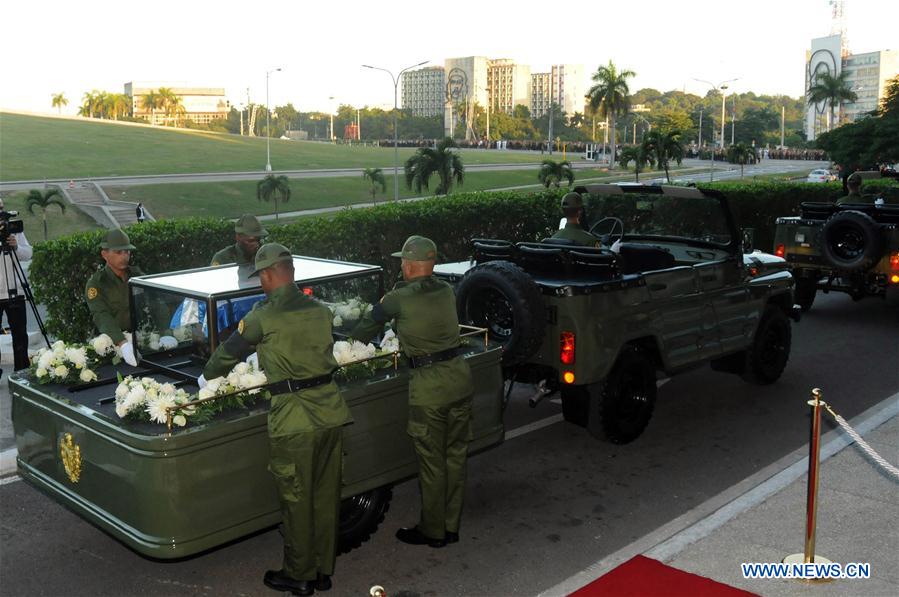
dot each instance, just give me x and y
(811, 501)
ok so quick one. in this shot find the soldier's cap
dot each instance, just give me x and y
(268, 255)
(572, 200)
(117, 240)
(854, 178)
(418, 248)
(249, 225)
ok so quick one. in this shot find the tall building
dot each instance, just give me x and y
(465, 85)
(508, 85)
(867, 75)
(565, 85)
(201, 104)
(424, 91)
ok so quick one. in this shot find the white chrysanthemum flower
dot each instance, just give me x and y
(205, 393)
(390, 342)
(179, 420)
(154, 341)
(102, 344)
(123, 388)
(157, 409)
(241, 368)
(58, 346)
(136, 395)
(41, 372)
(214, 384)
(87, 375)
(121, 409)
(337, 321)
(167, 388)
(61, 371)
(233, 379)
(341, 352)
(45, 359)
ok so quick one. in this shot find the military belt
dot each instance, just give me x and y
(295, 385)
(435, 357)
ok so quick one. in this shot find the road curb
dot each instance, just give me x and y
(8, 462)
(672, 538)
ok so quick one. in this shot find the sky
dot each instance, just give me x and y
(48, 47)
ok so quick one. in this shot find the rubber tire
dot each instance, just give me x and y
(805, 291)
(864, 230)
(618, 411)
(770, 350)
(360, 517)
(523, 300)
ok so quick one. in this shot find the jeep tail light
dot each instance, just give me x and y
(566, 348)
(894, 262)
(307, 290)
(568, 377)
(894, 279)
(780, 251)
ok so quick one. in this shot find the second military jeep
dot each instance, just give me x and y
(851, 248)
(669, 289)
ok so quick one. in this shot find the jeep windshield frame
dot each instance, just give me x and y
(711, 223)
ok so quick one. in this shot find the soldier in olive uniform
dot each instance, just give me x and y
(573, 208)
(248, 233)
(107, 291)
(440, 388)
(854, 184)
(292, 335)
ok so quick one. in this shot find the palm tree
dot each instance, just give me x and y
(168, 100)
(741, 154)
(552, 173)
(832, 91)
(273, 187)
(44, 200)
(151, 101)
(664, 147)
(59, 100)
(638, 156)
(375, 177)
(120, 104)
(91, 101)
(430, 160)
(610, 95)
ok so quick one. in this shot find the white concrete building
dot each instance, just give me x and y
(424, 91)
(565, 85)
(508, 85)
(867, 75)
(201, 104)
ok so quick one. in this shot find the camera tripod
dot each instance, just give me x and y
(14, 266)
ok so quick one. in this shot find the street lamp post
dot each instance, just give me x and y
(722, 86)
(268, 132)
(396, 166)
(331, 116)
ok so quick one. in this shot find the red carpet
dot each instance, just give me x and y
(645, 577)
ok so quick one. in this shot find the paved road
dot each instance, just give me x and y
(539, 508)
(727, 170)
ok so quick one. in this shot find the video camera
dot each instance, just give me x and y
(9, 226)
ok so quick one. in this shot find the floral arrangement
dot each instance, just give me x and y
(64, 363)
(145, 399)
(349, 311)
(347, 355)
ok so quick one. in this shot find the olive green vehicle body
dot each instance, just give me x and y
(174, 494)
(705, 306)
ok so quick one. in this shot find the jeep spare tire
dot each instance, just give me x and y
(502, 297)
(852, 241)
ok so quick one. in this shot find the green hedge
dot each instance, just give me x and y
(61, 267)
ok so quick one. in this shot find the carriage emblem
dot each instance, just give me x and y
(70, 453)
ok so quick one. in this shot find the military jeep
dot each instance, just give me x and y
(172, 492)
(851, 248)
(670, 288)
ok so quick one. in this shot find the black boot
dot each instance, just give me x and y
(277, 580)
(323, 582)
(452, 537)
(414, 536)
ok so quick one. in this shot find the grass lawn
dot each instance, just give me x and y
(230, 199)
(36, 148)
(58, 223)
